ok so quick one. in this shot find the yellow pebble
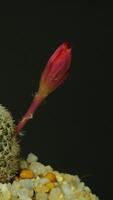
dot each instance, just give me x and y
(41, 188)
(51, 177)
(59, 178)
(50, 185)
(26, 174)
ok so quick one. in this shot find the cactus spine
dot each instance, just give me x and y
(9, 147)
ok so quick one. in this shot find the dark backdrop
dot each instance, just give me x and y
(72, 130)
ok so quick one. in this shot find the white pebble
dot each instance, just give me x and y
(27, 183)
(4, 192)
(32, 158)
(41, 196)
(66, 188)
(23, 164)
(56, 194)
(37, 168)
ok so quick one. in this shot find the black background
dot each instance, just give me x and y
(72, 130)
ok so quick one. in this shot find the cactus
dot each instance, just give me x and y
(9, 147)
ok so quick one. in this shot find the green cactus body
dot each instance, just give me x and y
(9, 147)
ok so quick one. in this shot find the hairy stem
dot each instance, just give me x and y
(29, 114)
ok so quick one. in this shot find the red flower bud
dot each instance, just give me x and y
(54, 74)
(56, 70)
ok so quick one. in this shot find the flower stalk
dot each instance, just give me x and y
(29, 114)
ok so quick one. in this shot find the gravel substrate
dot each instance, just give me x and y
(39, 182)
